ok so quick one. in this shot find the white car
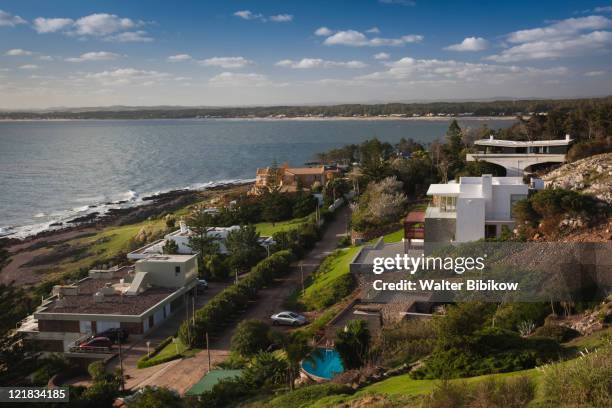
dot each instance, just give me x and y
(288, 318)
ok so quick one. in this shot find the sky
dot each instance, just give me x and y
(71, 53)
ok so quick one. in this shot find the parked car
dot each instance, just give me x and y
(288, 318)
(96, 343)
(115, 334)
(202, 284)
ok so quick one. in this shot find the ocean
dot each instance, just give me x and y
(53, 171)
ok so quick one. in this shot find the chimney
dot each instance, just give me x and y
(98, 297)
(491, 137)
(183, 226)
(567, 137)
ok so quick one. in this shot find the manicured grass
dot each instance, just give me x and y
(321, 292)
(169, 353)
(394, 236)
(267, 229)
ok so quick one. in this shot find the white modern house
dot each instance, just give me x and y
(515, 156)
(472, 209)
(181, 238)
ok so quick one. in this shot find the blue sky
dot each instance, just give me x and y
(95, 53)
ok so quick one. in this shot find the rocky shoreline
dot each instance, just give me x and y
(152, 206)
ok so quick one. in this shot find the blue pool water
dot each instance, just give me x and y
(323, 363)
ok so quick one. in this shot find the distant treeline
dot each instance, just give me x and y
(493, 108)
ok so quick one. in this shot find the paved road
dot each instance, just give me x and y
(183, 374)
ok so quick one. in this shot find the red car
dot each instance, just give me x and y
(97, 343)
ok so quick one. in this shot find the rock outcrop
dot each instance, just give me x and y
(591, 175)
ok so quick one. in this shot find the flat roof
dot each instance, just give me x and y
(451, 189)
(167, 258)
(116, 304)
(522, 143)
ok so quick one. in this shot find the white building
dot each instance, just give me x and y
(472, 209)
(181, 238)
(516, 156)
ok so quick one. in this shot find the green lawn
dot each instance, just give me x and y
(394, 236)
(170, 353)
(334, 268)
(267, 229)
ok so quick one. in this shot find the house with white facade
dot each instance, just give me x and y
(181, 238)
(472, 209)
(516, 156)
(136, 298)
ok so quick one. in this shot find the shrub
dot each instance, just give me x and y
(266, 370)
(509, 393)
(560, 334)
(250, 338)
(225, 393)
(406, 341)
(353, 343)
(585, 381)
(306, 396)
(150, 397)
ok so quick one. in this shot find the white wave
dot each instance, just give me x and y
(39, 215)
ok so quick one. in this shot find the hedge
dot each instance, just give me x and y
(235, 298)
(145, 361)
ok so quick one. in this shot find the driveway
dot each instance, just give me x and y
(181, 375)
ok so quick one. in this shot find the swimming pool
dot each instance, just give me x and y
(323, 364)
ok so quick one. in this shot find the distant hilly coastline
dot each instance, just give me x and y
(497, 108)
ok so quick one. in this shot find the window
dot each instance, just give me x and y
(514, 198)
(177, 270)
(445, 203)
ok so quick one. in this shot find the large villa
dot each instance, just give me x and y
(517, 156)
(291, 179)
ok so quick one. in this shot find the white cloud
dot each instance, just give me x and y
(29, 66)
(469, 44)
(130, 36)
(594, 73)
(179, 57)
(94, 56)
(571, 37)
(355, 38)
(128, 76)
(309, 63)
(411, 69)
(323, 32)
(373, 30)
(45, 58)
(50, 25)
(226, 62)
(102, 24)
(563, 29)
(282, 18)
(603, 9)
(9, 20)
(585, 44)
(18, 52)
(382, 56)
(109, 27)
(239, 79)
(277, 18)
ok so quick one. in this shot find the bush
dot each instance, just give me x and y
(225, 393)
(561, 334)
(585, 381)
(266, 370)
(250, 338)
(150, 397)
(509, 393)
(147, 361)
(353, 343)
(306, 396)
(406, 341)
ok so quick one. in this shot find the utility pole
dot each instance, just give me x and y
(208, 351)
(302, 275)
(193, 310)
(121, 364)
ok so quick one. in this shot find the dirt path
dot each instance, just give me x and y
(181, 375)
